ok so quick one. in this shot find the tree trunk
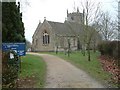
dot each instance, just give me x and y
(68, 53)
(57, 50)
(94, 48)
(84, 52)
(65, 50)
(68, 47)
(89, 58)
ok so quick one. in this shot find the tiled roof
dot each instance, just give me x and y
(66, 28)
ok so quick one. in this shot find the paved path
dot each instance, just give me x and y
(62, 74)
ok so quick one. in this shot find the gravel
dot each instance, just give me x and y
(62, 74)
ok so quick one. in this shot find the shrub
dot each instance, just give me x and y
(100, 48)
(9, 69)
(111, 48)
(104, 48)
(116, 49)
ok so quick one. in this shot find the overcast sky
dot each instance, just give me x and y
(53, 10)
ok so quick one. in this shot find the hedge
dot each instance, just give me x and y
(111, 48)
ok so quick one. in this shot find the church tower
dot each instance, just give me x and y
(76, 17)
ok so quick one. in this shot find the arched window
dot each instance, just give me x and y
(46, 38)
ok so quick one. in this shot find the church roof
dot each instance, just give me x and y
(37, 29)
(66, 28)
(74, 27)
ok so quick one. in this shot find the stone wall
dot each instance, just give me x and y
(55, 40)
(38, 38)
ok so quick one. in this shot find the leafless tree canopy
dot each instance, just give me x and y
(107, 27)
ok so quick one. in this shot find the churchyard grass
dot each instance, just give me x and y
(33, 66)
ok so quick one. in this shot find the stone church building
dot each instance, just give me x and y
(51, 35)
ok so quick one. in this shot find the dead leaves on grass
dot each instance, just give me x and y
(27, 82)
(110, 65)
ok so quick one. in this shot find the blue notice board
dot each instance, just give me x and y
(19, 48)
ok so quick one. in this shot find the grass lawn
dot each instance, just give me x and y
(93, 67)
(33, 68)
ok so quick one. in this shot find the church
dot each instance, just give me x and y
(51, 35)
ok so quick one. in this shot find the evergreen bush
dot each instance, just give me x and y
(10, 69)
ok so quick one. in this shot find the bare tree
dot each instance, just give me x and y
(117, 18)
(91, 15)
(107, 27)
(118, 24)
(97, 36)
